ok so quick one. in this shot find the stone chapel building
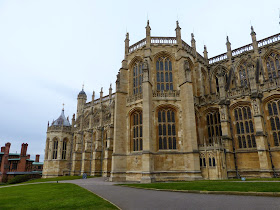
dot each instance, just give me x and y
(177, 115)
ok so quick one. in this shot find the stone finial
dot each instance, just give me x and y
(192, 35)
(148, 29)
(228, 44)
(205, 53)
(252, 31)
(193, 42)
(254, 41)
(93, 95)
(178, 34)
(110, 91)
(126, 41)
(177, 24)
(101, 94)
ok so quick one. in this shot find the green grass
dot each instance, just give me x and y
(60, 178)
(214, 186)
(51, 196)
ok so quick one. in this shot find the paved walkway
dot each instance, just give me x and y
(131, 198)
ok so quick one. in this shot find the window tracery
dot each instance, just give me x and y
(137, 77)
(273, 115)
(273, 65)
(164, 74)
(245, 133)
(167, 134)
(214, 130)
(243, 74)
(137, 131)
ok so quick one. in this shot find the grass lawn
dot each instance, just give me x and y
(214, 186)
(57, 179)
(50, 196)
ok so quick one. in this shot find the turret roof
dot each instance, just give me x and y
(61, 120)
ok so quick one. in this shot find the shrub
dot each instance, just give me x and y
(19, 179)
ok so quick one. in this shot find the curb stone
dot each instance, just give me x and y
(267, 194)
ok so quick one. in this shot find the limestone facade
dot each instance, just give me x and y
(177, 115)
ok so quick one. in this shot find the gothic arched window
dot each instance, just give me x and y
(274, 121)
(64, 149)
(243, 74)
(164, 74)
(137, 77)
(245, 133)
(213, 127)
(167, 135)
(273, 65)
(137, 131)
(55, 147)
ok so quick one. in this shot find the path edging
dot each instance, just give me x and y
(267, 194)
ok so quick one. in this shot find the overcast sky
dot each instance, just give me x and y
(49, 48)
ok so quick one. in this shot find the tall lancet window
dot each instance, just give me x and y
(137, 77)
(55, 147)
(274, 121)
(243, 74)
(214, 127)
(167, 135)
(273, 65)
(244, 127)
(64, 149)
(164, 74)
(137, 131)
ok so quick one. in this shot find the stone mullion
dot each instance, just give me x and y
(59, 149)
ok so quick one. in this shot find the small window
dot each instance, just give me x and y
(214, 161)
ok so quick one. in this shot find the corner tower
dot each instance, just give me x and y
(58, 148)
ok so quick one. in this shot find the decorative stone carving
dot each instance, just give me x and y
(256, 106)
(187, 71)
(145, 71)
(118, 81)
